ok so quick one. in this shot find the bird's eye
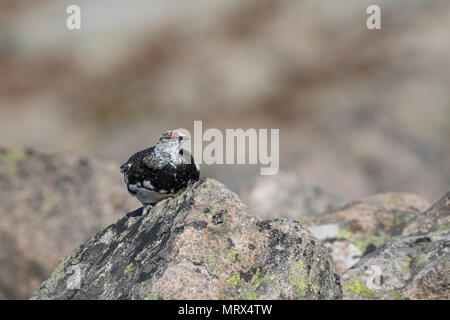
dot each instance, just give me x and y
(169, 136)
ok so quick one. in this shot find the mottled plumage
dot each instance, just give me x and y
(161, 171)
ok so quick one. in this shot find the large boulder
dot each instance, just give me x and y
(412, 266)
(361, 227)
(49, 203)
(202, 244)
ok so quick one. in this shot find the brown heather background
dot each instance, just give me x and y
(359, 111)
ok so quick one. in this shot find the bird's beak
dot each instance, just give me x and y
(184, 137)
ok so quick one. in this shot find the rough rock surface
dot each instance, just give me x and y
(49, 203)
(204, 243)
(414, 266)
(361, 227)
(434, 219)
(286, 195)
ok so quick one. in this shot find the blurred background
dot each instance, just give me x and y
(359, 111)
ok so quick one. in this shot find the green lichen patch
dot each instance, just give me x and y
(128, 269)
(59, 274)
(405, 263)
(297, 265)
(399, 220)
(153, 296)
(421, 261)
(361, 240)
(216, 208)
(122, 235)
(297, 278)
(394, 295)
(257, 281)
(443, 227)
(246, 290)
(344, 234)
(359, 288)
(233, 281)
(221, 258)
(11, 159)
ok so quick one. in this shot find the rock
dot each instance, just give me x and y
(361, 227)
(415, 266)
(408, 267)
(286, 195)
(434, 219)
(48, 204)
(202, 244)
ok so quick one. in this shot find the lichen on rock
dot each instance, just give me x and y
(202, 244)
(49, 203)
(358, 228)
(411, 266)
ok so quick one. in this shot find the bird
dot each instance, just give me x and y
(161, 171)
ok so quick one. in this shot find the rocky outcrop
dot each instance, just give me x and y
(413, 266)
(49, 203)
(437, 218)
(202, 244)
(286, 195)
(361, 227)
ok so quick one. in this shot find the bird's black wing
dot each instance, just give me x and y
(170, 179)
(135, 159)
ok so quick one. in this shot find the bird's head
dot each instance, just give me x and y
(172, 138)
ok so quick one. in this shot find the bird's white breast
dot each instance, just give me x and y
(147, 196)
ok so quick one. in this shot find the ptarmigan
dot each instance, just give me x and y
(160, 171)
